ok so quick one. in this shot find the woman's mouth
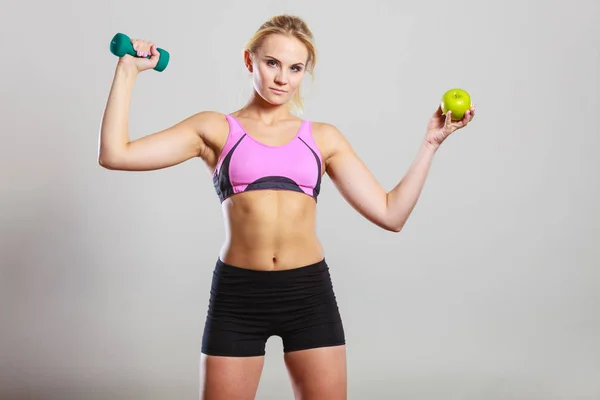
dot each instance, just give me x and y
(278, 91)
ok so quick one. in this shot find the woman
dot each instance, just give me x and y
(270, 277)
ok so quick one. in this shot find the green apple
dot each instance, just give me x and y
(458, 101)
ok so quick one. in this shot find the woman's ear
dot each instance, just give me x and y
(248, 60)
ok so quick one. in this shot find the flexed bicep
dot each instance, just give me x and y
(165, 148)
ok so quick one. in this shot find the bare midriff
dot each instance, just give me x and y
(270, 230)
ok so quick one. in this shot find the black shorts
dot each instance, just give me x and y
(246, 307)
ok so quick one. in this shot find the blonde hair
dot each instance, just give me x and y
(288, 25)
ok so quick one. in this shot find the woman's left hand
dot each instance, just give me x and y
(441, 126)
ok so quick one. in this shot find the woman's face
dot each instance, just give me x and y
(277, 68)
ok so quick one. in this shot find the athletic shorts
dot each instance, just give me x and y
(246, 307)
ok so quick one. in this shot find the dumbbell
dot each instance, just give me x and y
(121, 45)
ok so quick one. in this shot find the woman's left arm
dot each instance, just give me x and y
(358, 186)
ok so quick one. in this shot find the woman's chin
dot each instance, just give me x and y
(276, 100)
(274, 97)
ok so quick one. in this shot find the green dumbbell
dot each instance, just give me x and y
(121, 45)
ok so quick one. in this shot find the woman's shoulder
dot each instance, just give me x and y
(210, 123)
(328, 137)
(212, 127)
(325, 131)
(210, 117)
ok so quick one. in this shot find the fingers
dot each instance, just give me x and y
(154, 53)
(143, 48)
(468, 117)
(448, 121)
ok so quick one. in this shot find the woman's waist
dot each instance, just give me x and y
(309, 283)
(271, 249)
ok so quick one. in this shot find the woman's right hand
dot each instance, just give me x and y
(143, 48)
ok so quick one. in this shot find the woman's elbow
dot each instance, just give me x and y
(386, 223)
(395, 228)
(391, 226)
(108, 162)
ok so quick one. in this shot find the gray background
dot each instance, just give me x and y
(492, 289)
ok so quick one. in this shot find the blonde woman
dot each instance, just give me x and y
(270, 276)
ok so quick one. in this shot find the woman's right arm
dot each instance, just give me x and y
(162, 149)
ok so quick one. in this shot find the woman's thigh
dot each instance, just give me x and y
(318, 373)
(225, 378)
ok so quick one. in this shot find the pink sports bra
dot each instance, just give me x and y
(245, 164)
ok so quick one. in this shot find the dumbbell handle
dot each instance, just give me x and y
(121, 45)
